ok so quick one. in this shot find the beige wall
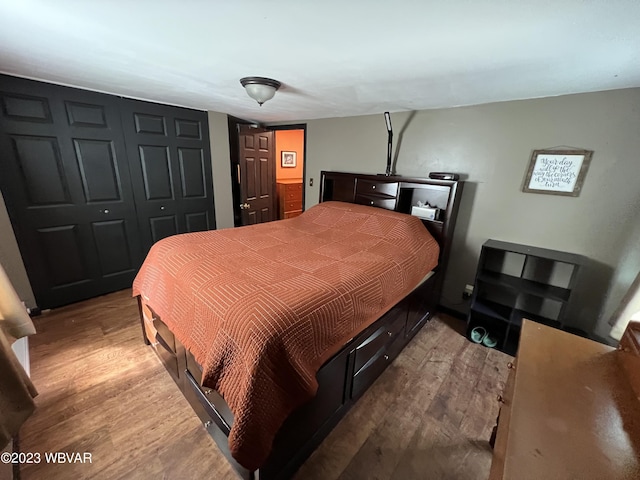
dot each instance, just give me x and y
(219, 137)
(492, 145)
(625, 274)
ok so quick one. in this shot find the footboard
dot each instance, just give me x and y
(342, 380)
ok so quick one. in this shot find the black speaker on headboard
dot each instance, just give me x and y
(444, 176)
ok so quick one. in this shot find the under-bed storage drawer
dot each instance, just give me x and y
(214, 400)
(165, 346)
(378, 350)
(164, 336)
(168, 358)
(378, 339)
(422, 305)
(213, 423)
(212, 412)
(371, 370)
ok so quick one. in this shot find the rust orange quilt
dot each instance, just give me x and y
(262, 307)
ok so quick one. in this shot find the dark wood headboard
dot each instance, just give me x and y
(400, 194)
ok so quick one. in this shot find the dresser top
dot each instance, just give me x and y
(288, 181)
(536, 251)
(573, 411)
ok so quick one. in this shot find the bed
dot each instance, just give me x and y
(291, 321)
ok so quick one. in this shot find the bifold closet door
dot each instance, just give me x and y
(65, 179)
(170, 164)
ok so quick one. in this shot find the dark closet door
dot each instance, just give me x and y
(170, 164)
(65, 180)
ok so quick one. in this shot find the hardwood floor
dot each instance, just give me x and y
(428, 416)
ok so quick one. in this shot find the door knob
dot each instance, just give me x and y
(244, 206)
(106, 210)
(161, 207)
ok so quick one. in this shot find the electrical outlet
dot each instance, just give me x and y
(468, 291)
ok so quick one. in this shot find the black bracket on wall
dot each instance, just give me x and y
(387, 119)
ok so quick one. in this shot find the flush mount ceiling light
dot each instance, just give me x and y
(259, 88)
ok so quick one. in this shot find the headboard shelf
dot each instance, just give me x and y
(435, 195)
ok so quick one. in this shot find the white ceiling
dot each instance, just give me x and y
(334, 57)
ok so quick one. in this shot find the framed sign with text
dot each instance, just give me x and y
(557, 172)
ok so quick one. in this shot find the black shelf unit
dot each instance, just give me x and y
(516, 281)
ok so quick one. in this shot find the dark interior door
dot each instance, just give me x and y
(65, 180)
(256, 175)
(170, 162)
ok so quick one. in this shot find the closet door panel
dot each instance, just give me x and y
(112, 243)
(170, 165)
(65, 180)
(41, 170)
(155, 162)
(91, 181)
(64, 256)
(192, 172)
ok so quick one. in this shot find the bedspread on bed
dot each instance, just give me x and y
(262, 307)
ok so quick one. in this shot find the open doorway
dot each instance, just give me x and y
(267, 171)
(290, 160)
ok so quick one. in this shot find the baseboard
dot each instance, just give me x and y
(452, 313)
(612, 342)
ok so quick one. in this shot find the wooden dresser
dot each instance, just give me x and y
(570, 409)
(289, 198)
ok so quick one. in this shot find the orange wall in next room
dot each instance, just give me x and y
(289, 141)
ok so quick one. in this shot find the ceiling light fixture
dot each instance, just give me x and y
(259, 88)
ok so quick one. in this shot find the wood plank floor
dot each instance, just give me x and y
(429, 416)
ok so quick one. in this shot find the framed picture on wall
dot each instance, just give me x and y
(557, 172)
(289, 159)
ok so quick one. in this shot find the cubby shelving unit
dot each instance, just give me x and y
(518, 281)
